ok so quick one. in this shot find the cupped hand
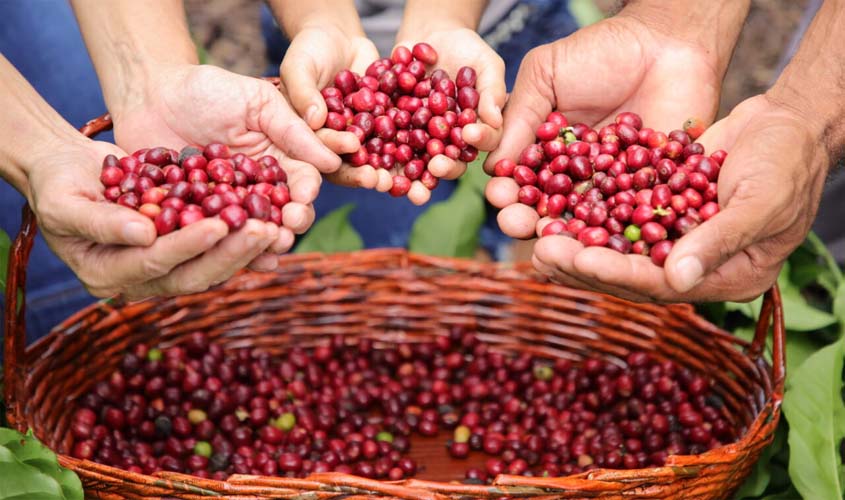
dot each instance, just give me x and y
(114, 250)
(316, 54)
(456, 48)
(189, 104)
(619, 64)
(769, 190)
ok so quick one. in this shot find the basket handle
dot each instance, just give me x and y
(14, 366)
(771, 314)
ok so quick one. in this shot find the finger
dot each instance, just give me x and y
(446, 168)
(291, 134)
(518, 220)
(301, 76)
(482, 136)
(106, 223)
(561, 278)
(303, 181)
(567, 256)
(265, 262)
(502, 191)
(528, 106)
(385, 181)
(492, 92)
(419, 194)
(633, 274)
(297, 217)
(128, 266)
(339, 142)
(364, 176)
(283, 242)
(218, 264)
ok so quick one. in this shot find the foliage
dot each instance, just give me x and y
(332, 233)
(451, 227)
(5, 244)
(808, 441)
(30, 471)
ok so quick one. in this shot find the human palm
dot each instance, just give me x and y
(203, 104)
(769, 190)
(616, 65)
(457, 48)
(113, 249)
(314, 57)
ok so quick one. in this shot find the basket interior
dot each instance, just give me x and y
(389, 296)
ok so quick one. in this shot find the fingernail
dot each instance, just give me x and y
(211, 238)
(309, 113)
(690, 273)
(136, 233)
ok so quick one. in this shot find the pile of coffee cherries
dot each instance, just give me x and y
(176, 189)
(404, 116)
(355, 406)
(625, 187)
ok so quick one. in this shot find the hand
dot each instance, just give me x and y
(113, 249)
(188, 104)
(769, 191)
(619, 64)
(456, 48)
(316, 54)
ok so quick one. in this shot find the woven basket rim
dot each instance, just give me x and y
(16, 352)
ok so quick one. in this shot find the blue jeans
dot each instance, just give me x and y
(41, 38)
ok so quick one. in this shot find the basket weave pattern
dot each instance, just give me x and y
(394, 296)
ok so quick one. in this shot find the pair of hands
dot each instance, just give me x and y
(318, 53)
(769, 186)
(115, 250)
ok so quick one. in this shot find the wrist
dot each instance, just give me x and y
(420, 29)
(712, 28)
(339, 16)
(819, 111)
(422, 18)
(142, 85)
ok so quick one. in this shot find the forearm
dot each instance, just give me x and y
(130, 40)
(712, 26)
(295, 15)
(812, 83)
(31, 128)
(423, 17)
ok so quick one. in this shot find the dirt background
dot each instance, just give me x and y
(231, 34)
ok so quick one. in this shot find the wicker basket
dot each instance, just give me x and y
(395, 296)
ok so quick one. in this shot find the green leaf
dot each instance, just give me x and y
(798, 314)
(585, 12)
(815, 411)
(761, 476)
(30, 470)
(475, 175)
(817, 246)
(5, 245)
(450, 228)
(332, 233)
(806, 267)
(801, 316)
(748, 309)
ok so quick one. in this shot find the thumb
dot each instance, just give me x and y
(714, 242)
(292, 136)
(300, 77)
(103, 222)
(530, 102)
